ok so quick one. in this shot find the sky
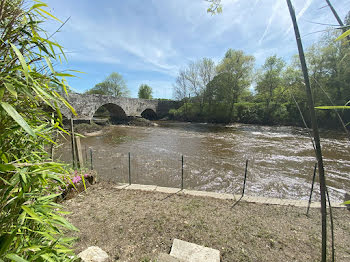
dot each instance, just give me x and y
(148, 41)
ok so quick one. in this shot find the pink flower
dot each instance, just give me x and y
(76, 179)
(86, 175)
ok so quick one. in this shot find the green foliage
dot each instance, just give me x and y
(276, 87)
(215, 7)
(31, 226)
(145, 92)
(113, 85)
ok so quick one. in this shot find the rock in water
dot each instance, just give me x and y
(93, 254)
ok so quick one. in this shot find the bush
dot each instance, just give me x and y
(31, 225)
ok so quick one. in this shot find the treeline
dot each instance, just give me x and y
(234, 91)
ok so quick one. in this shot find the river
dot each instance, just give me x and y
(281, 159)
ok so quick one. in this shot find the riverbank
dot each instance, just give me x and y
(132, 225)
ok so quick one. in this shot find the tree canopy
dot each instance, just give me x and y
(145, 92)
(234, 93)
(113, 85)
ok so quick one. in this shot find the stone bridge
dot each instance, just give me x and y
(119, 107)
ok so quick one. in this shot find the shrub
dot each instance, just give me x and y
(31, 223)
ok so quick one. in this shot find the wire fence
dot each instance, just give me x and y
(218, 174)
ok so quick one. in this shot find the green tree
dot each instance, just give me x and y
(113, 85)
(31, 228)
(269, 83)
(238, 68)
(145, 91)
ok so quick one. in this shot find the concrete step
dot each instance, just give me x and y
(189, 252)
(162, 257)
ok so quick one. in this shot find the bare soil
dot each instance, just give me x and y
(137, 225)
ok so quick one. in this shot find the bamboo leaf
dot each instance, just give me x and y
(64, 222)
(31, 213)
(346, 202)
(65, 75)
(76, 71)
(6, 168)
(48, 62)
(23, 176)
(16, 258)
(5, 241)
(47, 13)
(343, 35)
(22, 61)
(46, 257)
(48, 197)
(37, 5)
(17, 117)
(11, 89)
(332, 107)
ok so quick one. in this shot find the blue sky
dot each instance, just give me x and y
(148, 41)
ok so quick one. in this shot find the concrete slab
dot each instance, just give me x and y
(315, 205)
(249, 199)
(301, 203)
(162, 257)
(338, 205)
(208, 194)
(168, 190)
(190, 252)
(274, 201)
(120, 186)
(141, 187)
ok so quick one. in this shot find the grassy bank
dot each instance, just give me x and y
(136, 226)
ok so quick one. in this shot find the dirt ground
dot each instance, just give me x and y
(137, 225)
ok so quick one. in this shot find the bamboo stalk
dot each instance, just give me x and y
(315, 131)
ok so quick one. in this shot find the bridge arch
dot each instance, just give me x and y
(149, 114)
(110, 110)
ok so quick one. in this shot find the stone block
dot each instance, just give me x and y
(190, 252)
(162, 257)
(93, 254)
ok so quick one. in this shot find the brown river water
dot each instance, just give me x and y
(281, 159)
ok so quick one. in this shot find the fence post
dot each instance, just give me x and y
(312, 188)
(80, 161)
(86, 157)
(72, 141)
(129, 169)
(92, 167)
(182, 172)
(245, 176)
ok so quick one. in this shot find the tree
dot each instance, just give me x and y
(239, 68)
(269, 80)
(113, 85)
(145, 91)
(180, 88)
(31, 227)
(206, 71)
